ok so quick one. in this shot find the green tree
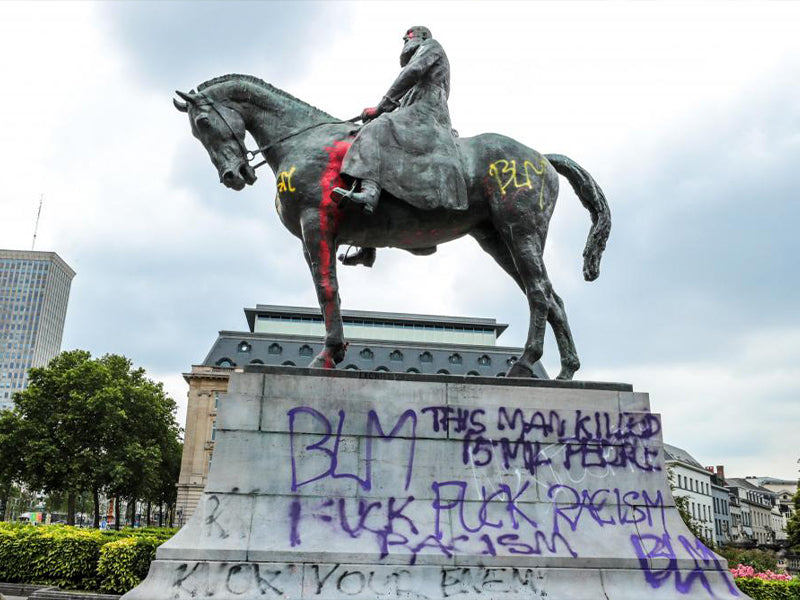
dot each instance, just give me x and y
(92, 425)
(793, 527)
(11, 465)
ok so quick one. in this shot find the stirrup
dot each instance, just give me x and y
(342, 196)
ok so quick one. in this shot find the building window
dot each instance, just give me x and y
(455, 359)
(396, 355)
(484, 360)
(225, 362)
(412, 370)
(256, 361)
(473, 373)
(288, 363)
(275, 349)
(367, 354)
(500, 374)
(426, 357)
(213, 430)
(306, 350)
(382, 369)
(443, 372)
(352, 367)
(216, 400)
(244, 347)
(511, 360)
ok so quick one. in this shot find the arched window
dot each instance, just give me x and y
(382, 369)
(288, 363)
(275, 349)
(257, 361)
(225, 362)
(484, 360)
(244, 346)
(396, 355)
(352, 367)
(473, 373)
(455, 359)
(367, 354)
(501, 374)
(511, 360)
(443, 372)
(426, 357)
(412, 370)
(306, 350)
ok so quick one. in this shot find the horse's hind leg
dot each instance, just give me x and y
(526, 249)
(557, 317)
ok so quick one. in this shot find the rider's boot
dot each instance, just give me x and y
(362, 256)
(367, 196)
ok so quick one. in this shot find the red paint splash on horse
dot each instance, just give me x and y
(329, 216)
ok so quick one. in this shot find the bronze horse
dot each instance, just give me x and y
(512, 194)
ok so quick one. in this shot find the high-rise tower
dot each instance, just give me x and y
(34, 290)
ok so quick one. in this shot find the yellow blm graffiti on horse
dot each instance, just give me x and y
(285, 180)
(505, 173)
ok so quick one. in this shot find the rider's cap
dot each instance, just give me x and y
(418, 31)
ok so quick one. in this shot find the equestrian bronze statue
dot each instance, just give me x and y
(402, 180)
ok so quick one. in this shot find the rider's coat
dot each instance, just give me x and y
(411, 151)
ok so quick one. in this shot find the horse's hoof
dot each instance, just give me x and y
(519, 370)
(329, 357)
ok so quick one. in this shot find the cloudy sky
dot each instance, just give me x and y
(687, 114)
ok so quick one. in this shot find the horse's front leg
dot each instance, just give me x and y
(319, 248)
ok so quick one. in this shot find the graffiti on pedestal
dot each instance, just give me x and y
(532, 483)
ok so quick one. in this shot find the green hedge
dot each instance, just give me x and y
(75, 558)
(758, 589)
(124, 563)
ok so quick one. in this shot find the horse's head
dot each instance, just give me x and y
(221, 129)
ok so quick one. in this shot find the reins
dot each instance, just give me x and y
(250, 155)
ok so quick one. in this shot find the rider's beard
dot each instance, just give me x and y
(410, 47)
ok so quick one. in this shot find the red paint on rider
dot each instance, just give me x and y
(329, 216)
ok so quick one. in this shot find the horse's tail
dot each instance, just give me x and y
(592, 197)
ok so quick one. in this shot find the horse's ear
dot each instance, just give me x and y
(184, 106)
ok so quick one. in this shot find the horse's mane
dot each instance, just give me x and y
(237, 77)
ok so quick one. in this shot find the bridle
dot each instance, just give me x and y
(250, 155)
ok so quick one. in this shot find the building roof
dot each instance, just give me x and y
(364, 355)
(374, 316)
(37, 255)
(682, 456)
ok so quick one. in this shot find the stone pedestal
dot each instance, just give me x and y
(331, 485)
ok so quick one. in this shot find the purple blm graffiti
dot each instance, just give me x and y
(510, 482)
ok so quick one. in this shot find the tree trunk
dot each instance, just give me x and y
(171, 510)
(116, 513)
(71, 507)
(149, 507)
(96, 500)
(160, 514)
(132, 512)
(5, 492)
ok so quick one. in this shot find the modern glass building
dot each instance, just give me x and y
(34, 291)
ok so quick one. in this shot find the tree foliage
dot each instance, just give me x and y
(92, 425)
(793, 527)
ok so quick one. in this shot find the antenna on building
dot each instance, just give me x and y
(38, 214)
